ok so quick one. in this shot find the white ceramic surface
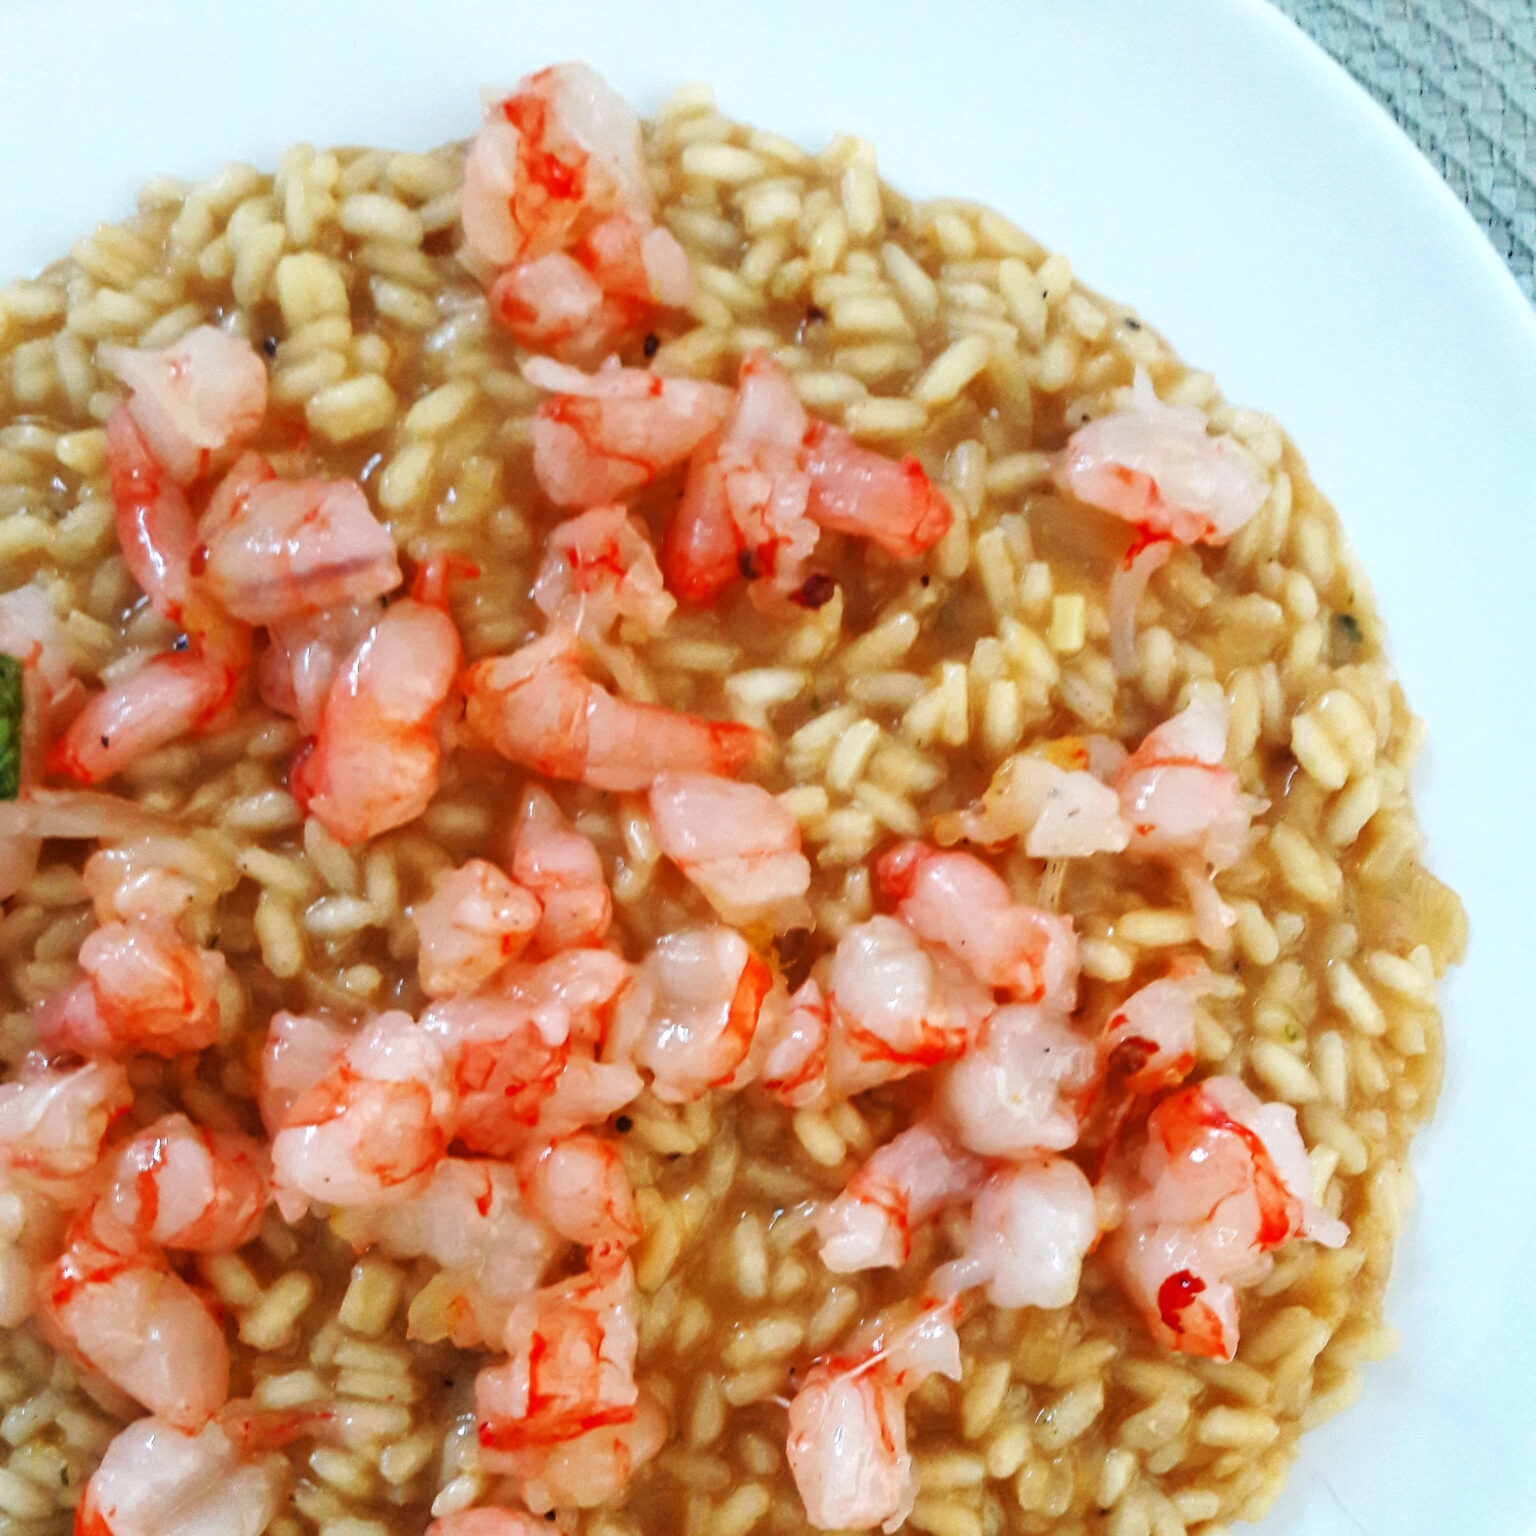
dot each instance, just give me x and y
(1202, 161)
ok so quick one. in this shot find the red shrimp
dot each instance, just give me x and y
(563, 870)
(599, 568)
(578, 1187)
(795, 1048)
(473, 923)
(857, 491)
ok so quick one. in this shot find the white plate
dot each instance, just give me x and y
(1205, 163)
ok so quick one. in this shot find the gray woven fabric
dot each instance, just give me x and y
(1460, 78)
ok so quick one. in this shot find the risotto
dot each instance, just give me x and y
(686, 848)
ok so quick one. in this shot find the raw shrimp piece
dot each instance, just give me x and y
(1061, 811)
(559, 153)
(1031, 1224)
(177, 1185)
(743, 510)
(538, 708)
(1221, 1181)
(295, 671)
(905, 1183)
(570, 1367)
(1158, 467)
(372, 1128)
(52, 1120)
(145, 989)
(166, 698)
(374, 764)
(794, 1048)
(847, 1445)
(472, 1221)
(857, 491)
(954, 900)
(488, 1520)
(605, 434)
(563, 870)
(156, 1480)
(691, 1016)
(591, 1468)
(1022, 1086)
(578, 1187)
(141, 1326)
(737, 844)
(599, 568)
(896, 1006)
(472, 924)
(193, 399)
(1149, 1041)
(299, 547)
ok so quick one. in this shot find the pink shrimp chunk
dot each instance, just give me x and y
(578, 1187)
(954, 900)
(794, 1045)
(1222, 1180)
(142, 1326)
(205, 393)
(1031, 1225)
(570, 1368)
(372, 1128)
(538, 707)
(857, 491)
(1023, 1085)
(737, 844)
(155, 528)
(157, 1480)
(298, 547)
(1158, 467)
(472, 1221)
(302, 658)
(554, 305)
(375, 762)
(896, 1007)
(599, 568)
(905, 1183)
(471, 925)
(177, 1185)
(847, 1447)
(52, 1120)
(170, 696)
(488, 1520)
(691, 1017)
(563, 870)
(605, 434)
(145, 989)
(1149, 1041)
(1055, 801)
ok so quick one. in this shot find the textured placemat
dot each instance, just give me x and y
(1460, 77)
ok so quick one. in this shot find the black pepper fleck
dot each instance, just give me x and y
(106, 741)
(623, 1125)
(815, 591)
(269, 345)
(814, 314)
(1132, 323)
(180, 643)
(924, 580)
(651, 345)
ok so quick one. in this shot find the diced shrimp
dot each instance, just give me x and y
(743, 510)
(896, 1007)
(488, 1520)
(179, 1185)
(295, 671)
(1159, 467)
(599, 568)
(847, 1447)
(472, 924)
(954, 900)
(737, 844)
(570, 1367)
(168, 697)
(1222, 1180)
(298, 547)
(472, 1221)
(140, 1325)
(510, 1048)
(52, 1120)
(1023, 1085)
(603, 435)
(300, 1049)
(1149, 1040)
(537, 707)
(1061, 809)
(857, 491)
(794, 1047)
(195, 398)
(690, 1018)
(560, 152)
(157, 1480)
(592, 1468)
(563, 870)
(145, 989)
(905, 1183)
(586, 1093)
(154, 877)
(578, 1187)
(372, 1129)
(374, 764)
